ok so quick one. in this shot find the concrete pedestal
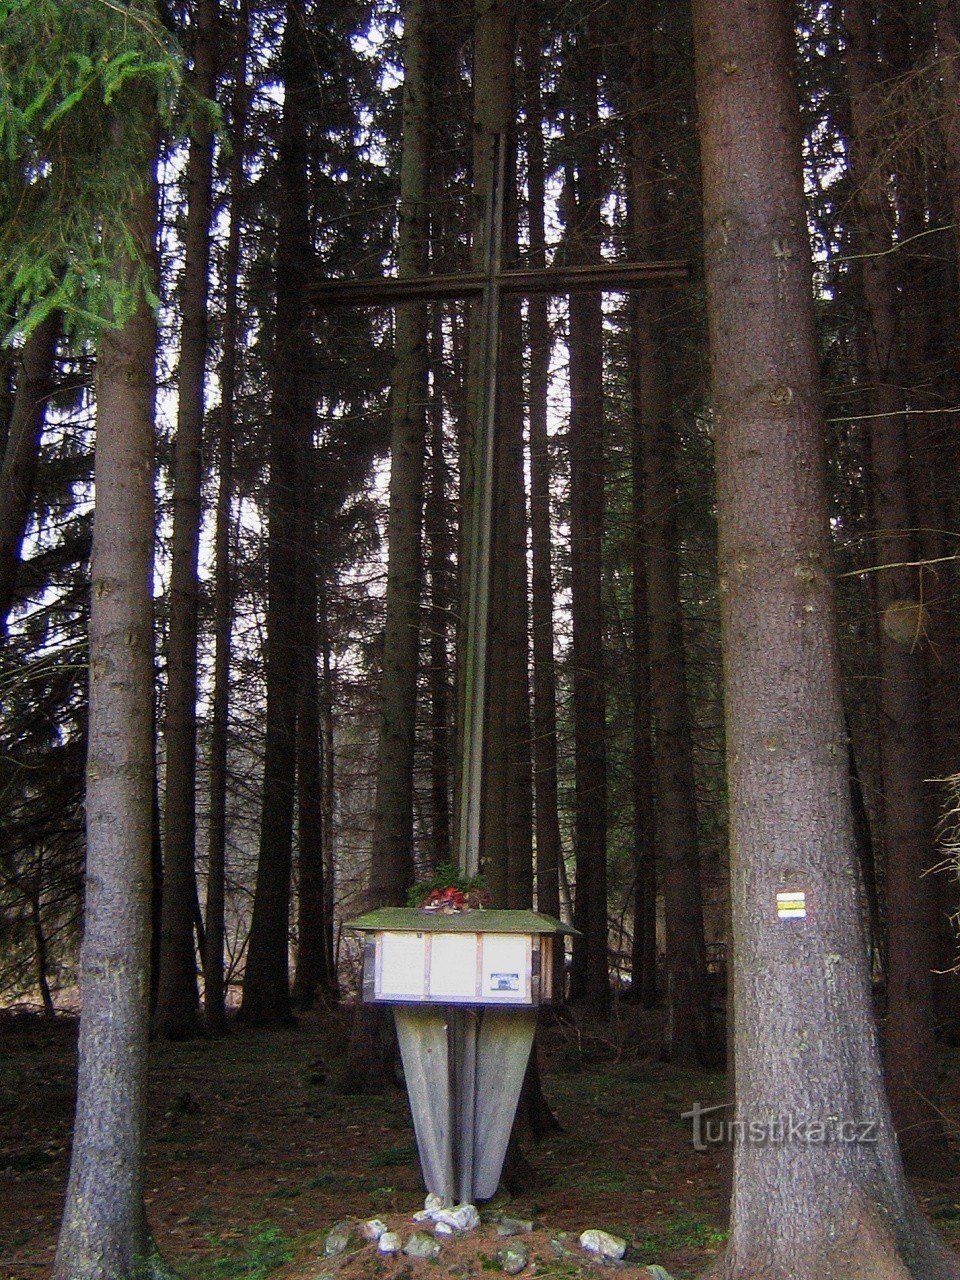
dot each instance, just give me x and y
(464, 1069)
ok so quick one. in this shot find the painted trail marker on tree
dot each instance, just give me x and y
(465, 1047)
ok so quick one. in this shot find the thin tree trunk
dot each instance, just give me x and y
(392, 860)
(104, 1234)
(266, 982)
(493, 110)
(391, 868)
(508, 803)
(948, 63)
(690, 1033)
(548, 845)
(40, 941)
(643, 964)
(21, 454)
(507, 796)
(589, 979)
(437, 519)
(311, 973)
(933, 487)
(328, 784)
(804, 1039)
(176, 1013)
(866, 859)
(213, 955)
(909, 1043)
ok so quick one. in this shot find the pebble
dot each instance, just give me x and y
(420, 1245)
(373, 1229)
(513, 1259)
(657, 1273)
(603, 1244)
(337, 1239)
(514, 1227)
(433, 1202)
(443, 1229)
(559, 1247)
(390, 1242)
(462, 1217)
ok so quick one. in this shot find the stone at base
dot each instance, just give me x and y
(420, 1245)
(514, 1227)
(337, 1239)
(603, 1244)
(513, 1259)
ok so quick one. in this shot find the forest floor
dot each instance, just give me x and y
(255, 1151)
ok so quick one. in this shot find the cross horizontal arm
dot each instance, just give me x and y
(612, 277)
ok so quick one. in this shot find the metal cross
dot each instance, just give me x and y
(489, 287)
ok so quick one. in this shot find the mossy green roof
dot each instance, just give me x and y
(416, 920)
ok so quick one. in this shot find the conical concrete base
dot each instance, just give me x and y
(464, 1070)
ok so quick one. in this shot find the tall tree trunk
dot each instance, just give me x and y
(929, 335)
(21, 454)
(948, 63)
(507, 838)
(804, 1039)
(643, 960)
(589, 977)
(266, 983)
(437, 520)
(690, 1035)
(493, 111)
(391, 868)
(214, 994)
(909, 1042)
(392, 862)
(104, 1234)
(40, 938)
(176, 1011)
(549, 849)
(328, 782)
(311, 965)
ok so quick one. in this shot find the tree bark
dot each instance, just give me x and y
(21, 454)
(803, 1034)
(176, 1013)
(589, 978)
(909, 1042)
(214, 994)
(266, 983)
(104, 1234)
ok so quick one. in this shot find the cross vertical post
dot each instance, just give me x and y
(476, 630)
